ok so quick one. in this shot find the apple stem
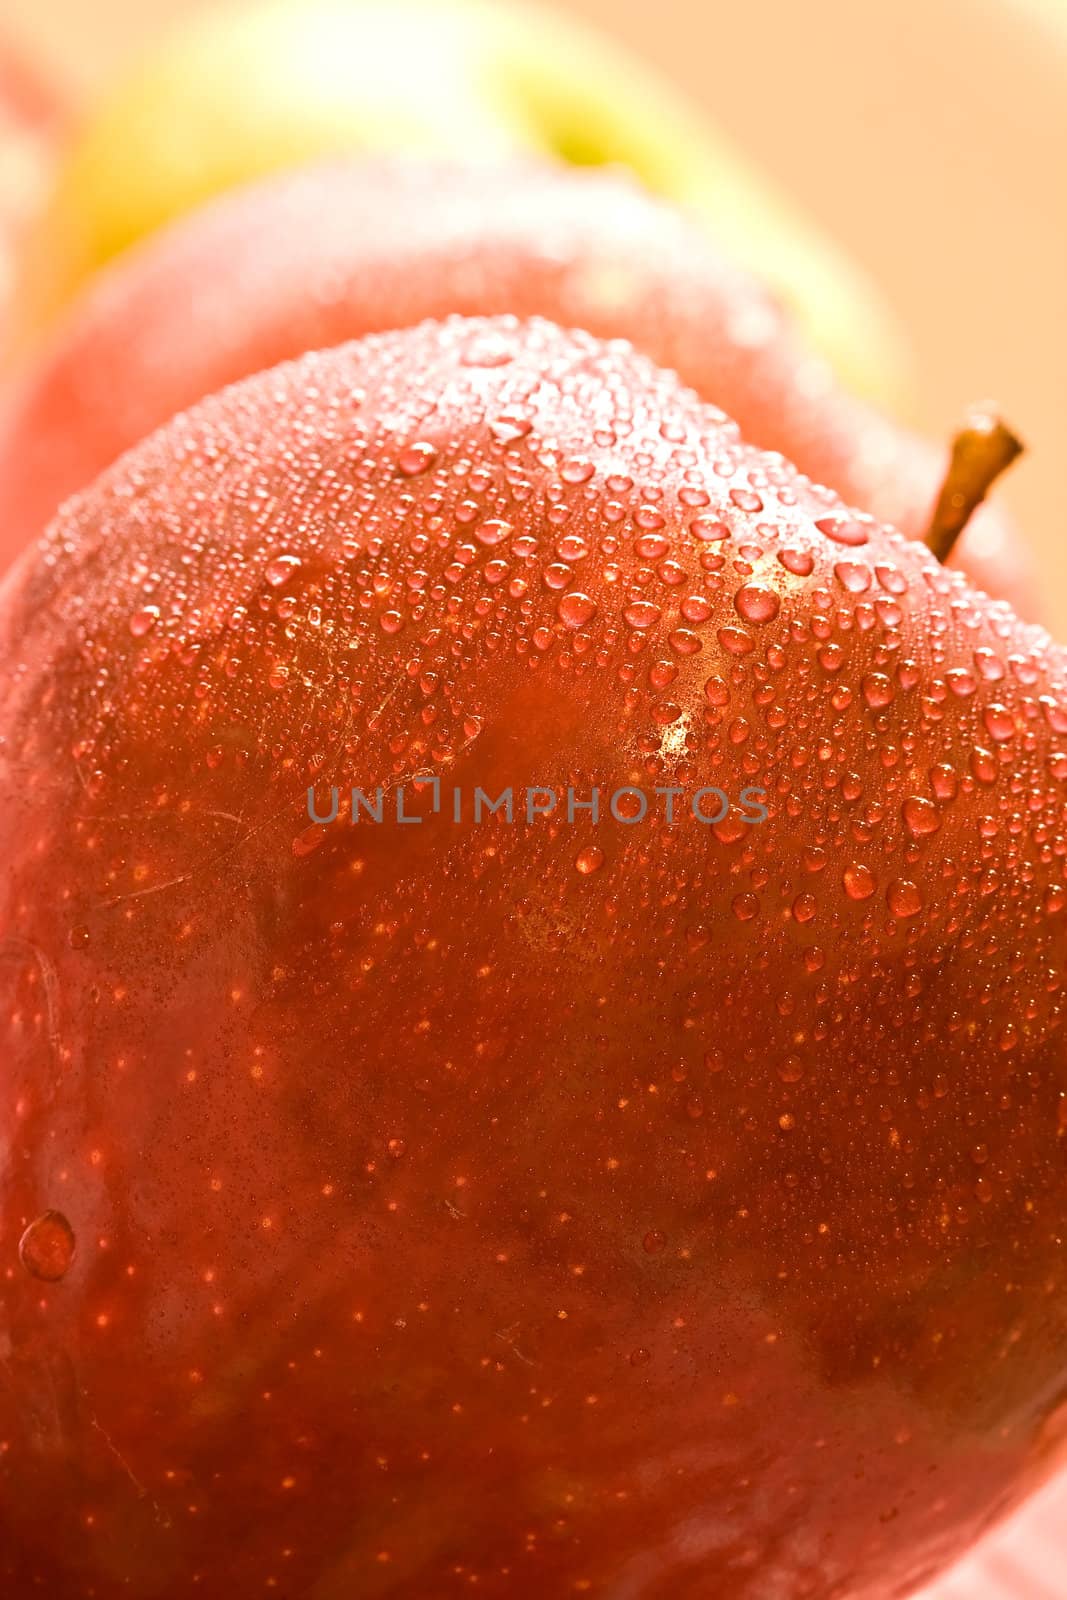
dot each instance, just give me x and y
(982, 449)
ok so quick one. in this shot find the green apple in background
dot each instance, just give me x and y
(236, 92)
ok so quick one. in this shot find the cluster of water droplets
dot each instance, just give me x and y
(365, 558)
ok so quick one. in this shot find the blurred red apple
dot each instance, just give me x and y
(32, 111)
(233, 92)
(336, 252)
(532, 1208)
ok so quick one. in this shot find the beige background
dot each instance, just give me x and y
(929, 136)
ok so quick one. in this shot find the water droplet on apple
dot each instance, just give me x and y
(695, 608)
(843, 530)
(415, 458)
(983, 764)
(589, 860)
(891, 578)
(921, 817)
(853, 576)
(576, 609)
(280, 569)
(963, 684)
(756, 604)
(649, 518)
(572, 547)
(859, 882)
(904, 898)
(709, 530)
(736, 641)
(988, 664)
(143, 621)
(877, 690)
(642, 614)
(999, 723)
(46, 1249)
(746, 500)
(493, 532)
(510, 427)
(943, 781)
(801, 563)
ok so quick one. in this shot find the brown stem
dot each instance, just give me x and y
(983, 449)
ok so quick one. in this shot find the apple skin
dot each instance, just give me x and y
(238, 91)
(447, 1216)
(337, 251)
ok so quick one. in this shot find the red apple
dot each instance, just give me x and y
(339, 251)
(531, 1208)
(233, 92)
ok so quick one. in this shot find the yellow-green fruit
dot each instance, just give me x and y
(240, 91)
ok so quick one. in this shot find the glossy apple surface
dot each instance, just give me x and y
(237, 91)
(620, 1208)
(338, 251)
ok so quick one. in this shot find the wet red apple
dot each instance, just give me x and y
(527, 1208)
(343, 250)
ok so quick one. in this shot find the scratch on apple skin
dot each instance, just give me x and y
(18, 949)
(142, 1492)
(506, 1337)
(240, 823)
